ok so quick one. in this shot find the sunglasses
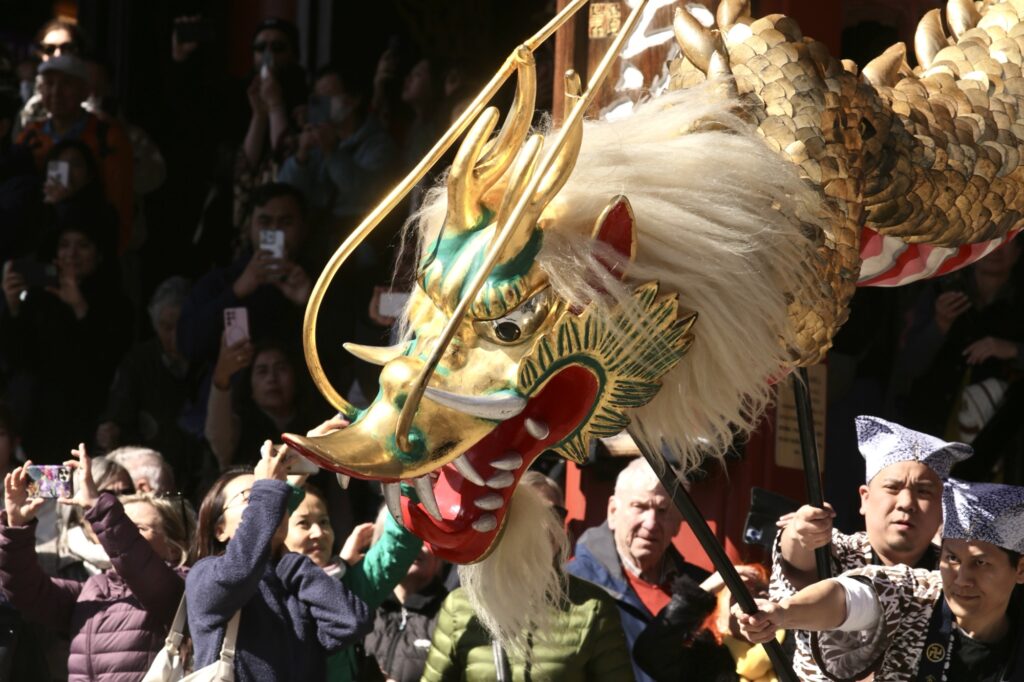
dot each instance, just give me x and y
(276, 46)
(51, 49)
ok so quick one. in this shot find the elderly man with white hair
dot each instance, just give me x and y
(631, 555)
(149, 470)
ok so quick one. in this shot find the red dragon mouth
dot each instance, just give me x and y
(472, 515)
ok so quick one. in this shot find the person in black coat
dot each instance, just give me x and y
(62, 334)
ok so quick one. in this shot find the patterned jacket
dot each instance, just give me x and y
(892, 648)
(849, 552)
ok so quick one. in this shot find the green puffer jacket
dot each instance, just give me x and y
(587, 644)
(372, 580)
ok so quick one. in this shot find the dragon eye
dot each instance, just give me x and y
(507, 331)
(519, 323)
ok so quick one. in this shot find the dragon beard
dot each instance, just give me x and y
(518, 588)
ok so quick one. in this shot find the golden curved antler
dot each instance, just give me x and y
(388, 204)
(553, 181)
(554, 157)
(474, 169)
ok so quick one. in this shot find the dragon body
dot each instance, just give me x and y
(665, 268)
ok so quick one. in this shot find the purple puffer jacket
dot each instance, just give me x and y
(117, 620)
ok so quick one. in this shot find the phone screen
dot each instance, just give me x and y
(49, 480)
(57, 171)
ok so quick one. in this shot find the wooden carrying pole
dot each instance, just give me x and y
(674, 487)
(809, 453)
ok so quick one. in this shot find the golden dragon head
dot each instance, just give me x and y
(497, 367)
(545, 313)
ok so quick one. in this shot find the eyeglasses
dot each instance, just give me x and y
(51, 49)
(244, 495)
(276, 46)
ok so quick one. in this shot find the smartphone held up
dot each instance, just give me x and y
(50, 481)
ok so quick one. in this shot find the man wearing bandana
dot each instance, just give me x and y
(901, 504)
(957, 623)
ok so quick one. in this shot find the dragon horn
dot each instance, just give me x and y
(556, 156)
(396, 195)
(481, 161)
(553, 181)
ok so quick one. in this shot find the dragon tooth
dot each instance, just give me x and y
(465, 467)
(425, 491)
(393, 498)
(489, 502)
(485, 523)
(510, 461)
(502, 480)
(537, 428)
(497, 407)
(343, 481)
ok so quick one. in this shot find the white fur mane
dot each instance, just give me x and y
(721, 221)
(517, 589)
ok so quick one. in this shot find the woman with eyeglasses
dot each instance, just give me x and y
(292, 613)
(117, 620)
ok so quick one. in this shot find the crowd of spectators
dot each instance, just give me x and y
(173, 355)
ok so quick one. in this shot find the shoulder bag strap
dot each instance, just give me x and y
(227, 650)
(177, 631)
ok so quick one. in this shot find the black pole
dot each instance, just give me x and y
(673, 486)
(809, 453)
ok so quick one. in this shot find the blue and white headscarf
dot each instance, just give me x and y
(883, 443)
(990, 512)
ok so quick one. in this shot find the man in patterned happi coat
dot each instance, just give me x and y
(961, 622)
(901, 504)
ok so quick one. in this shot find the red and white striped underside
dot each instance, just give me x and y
(891, 262)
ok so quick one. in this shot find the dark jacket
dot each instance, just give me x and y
(373, 580)
(401, 632)
(585, 643)
(271, 315)
(61, 367)
(150, 401)
(597, 560)
(292, 613)
(117, 620)
(679, 628)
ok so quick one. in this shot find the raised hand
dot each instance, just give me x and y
(20, 507)
(295, 285)
(761, 626)
(86, 491)
(950, 305)
(988, 348)
(231, 360)
(70, 294)
(357, 543)
(273, 464)
(14, 286)
(810, 526)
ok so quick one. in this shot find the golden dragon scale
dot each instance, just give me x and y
(661, 270)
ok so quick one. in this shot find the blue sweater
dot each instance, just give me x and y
(293, 613)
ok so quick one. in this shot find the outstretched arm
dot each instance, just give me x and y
(822, 606)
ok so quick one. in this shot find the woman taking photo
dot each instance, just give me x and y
(292, 613)
(117, 620)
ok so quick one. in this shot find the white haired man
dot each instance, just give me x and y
(901, 505)
(149, 470)
(631, 555)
